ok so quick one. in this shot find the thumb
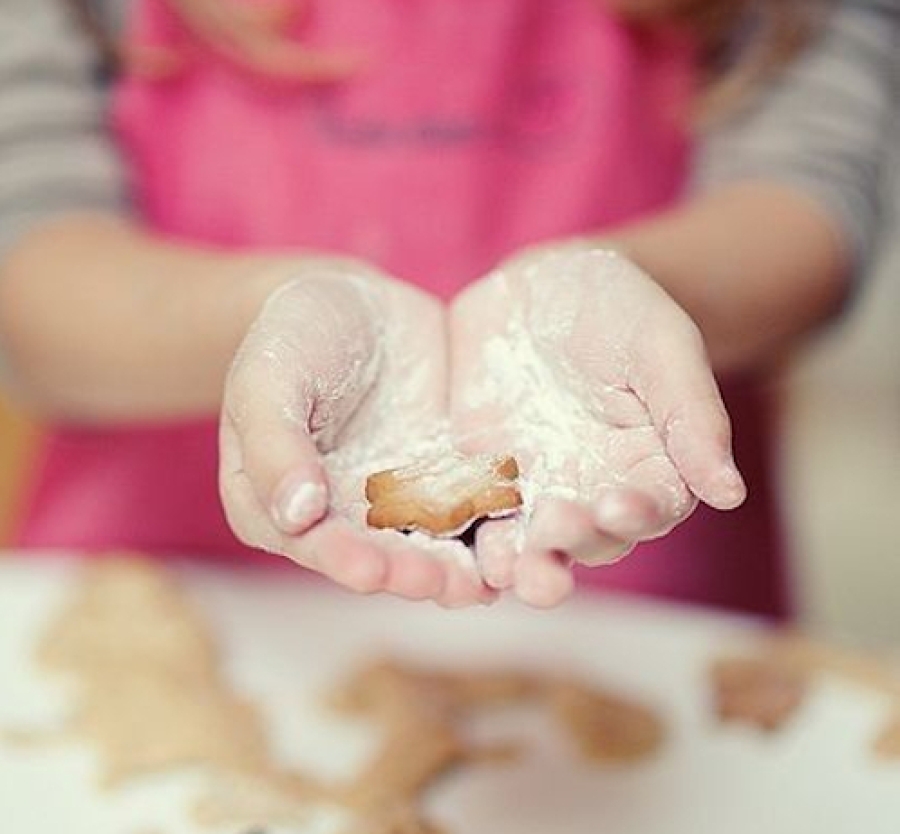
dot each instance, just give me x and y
(301, 372)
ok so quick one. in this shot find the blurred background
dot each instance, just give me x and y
(17, 441)
(841, 455)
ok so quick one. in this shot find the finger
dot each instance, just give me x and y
(278, 456)
(425, 568)
(226, 23)
(629, 514)
(464, 587)
(313, 338)
(252, 38)
(156, 63)
(212, 21)
(343, 554)
(332, 548)
(415, 578)
(675, 381)
(558, 524)
(562, 527)
(270, 16)
(496, 551)
(282, 60)
(543, 579)
(650, 500)
(245, 515)
(412, 573)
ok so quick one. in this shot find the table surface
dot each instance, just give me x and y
(286, 641)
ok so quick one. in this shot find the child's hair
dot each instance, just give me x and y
(743, 42)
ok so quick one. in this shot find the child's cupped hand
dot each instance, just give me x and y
(570, 358)
(578, 363)
(343, 373)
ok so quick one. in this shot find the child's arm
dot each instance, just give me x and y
(97, 321)
(788, 195)
(756, 265)
(140, 329)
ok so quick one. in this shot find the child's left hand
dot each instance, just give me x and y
(578, 363)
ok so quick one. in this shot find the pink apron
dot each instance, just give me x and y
(476, 128)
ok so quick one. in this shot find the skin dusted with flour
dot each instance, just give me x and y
(552, 359)
(555, 359)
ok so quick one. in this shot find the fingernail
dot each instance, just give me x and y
(299, 504)
(731, 484)
(617, 514)
(611, 509)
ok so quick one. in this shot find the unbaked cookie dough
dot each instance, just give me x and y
(767, 687)
(151, 697)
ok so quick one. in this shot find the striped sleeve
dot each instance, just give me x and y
(826, 125)
(55, 156)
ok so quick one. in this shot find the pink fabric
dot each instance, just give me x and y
(475, 128)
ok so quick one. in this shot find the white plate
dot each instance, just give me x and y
(286, 641)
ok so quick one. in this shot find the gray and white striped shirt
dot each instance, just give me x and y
(823, 127)
(827, 125)
(55, 154)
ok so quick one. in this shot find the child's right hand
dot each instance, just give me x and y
(343, 372)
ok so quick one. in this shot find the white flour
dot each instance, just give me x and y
(573, 430)
(528, 399)
(550, 427)
(399, 422)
